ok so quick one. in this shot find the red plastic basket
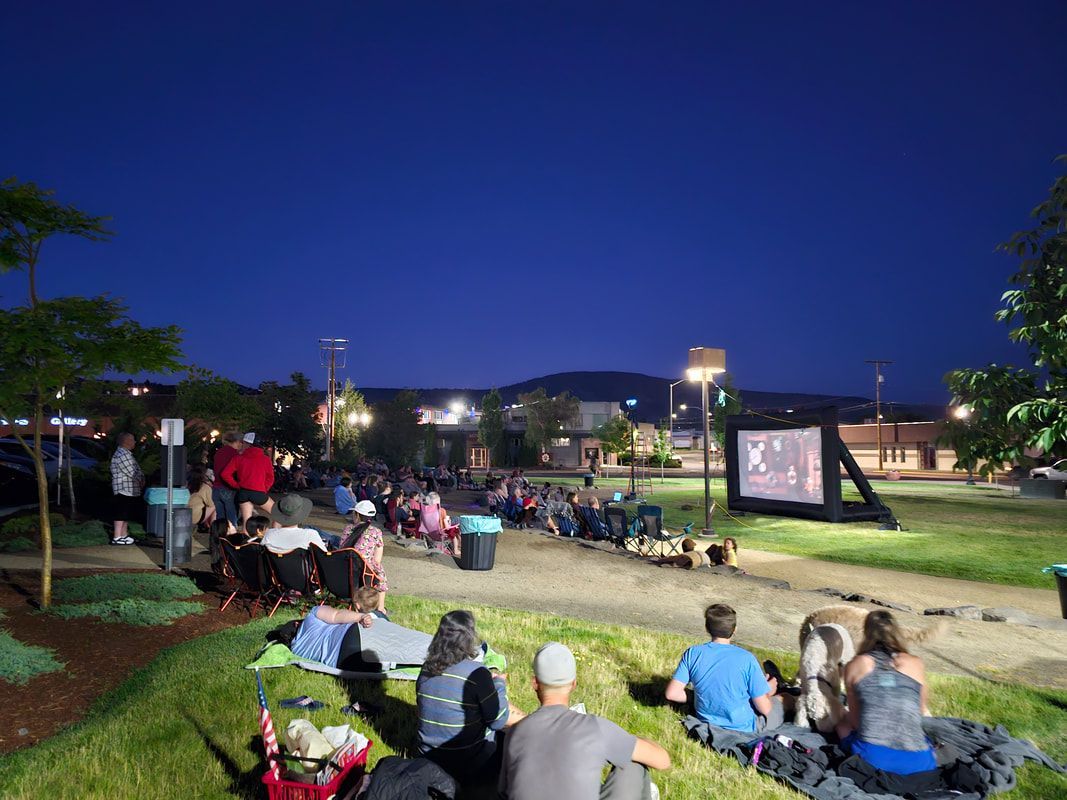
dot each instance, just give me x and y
(282, 789)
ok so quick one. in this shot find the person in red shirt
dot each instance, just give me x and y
(221, 493)
(251, 474)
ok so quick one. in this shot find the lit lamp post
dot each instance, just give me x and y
(670, 423)
(631, 404)
(963, 413)
(704, 364)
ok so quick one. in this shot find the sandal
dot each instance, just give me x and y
(303, 702)
(361, 709)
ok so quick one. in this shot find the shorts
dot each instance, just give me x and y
(889, 759)
(250, 496)
(127, 508)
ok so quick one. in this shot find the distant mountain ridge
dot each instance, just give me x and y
(652, 396)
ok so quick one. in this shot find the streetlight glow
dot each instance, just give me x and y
(961, 412)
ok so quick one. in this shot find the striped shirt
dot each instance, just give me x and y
(458, 709)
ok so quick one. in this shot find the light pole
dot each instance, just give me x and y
(878, 379)
(329, 350)
(963, 413)
(670, 423)
(704, 363)
(631, 404)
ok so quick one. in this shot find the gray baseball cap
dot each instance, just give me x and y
(554, 665)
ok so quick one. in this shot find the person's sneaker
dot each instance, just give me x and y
(123, 540)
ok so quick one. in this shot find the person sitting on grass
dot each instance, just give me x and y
(724, 554)
(344, 499)
(559, 753)
(730, 689)
(461, 704)
(689, 558)
(367, 539)
(887, 695)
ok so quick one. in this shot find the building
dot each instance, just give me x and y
(906, 446)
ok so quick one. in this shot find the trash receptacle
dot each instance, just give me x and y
(589, 481)
(478, 540)
(182, 535)
(1060, 571)
(156, 498)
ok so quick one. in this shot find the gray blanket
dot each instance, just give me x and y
(985, 761)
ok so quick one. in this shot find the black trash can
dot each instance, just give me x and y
(589, 481)
(478, 540)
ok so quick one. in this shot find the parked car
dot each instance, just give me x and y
(1057, 472)
(15, 458)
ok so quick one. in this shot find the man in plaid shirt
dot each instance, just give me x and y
(127, 483)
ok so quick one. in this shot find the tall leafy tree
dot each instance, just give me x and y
(491, 425)
(353, 417)
(395, 434)
(614, 435)
(291, 418)
(1036, 310)
(49, 344)
(547, 416)
(209, 402)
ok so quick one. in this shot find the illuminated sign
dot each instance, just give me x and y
(74, 422)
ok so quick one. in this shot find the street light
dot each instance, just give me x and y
(631, 404)
(704, 364)
(963, 414)
(670, 421)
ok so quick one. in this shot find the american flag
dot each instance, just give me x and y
(266, 725)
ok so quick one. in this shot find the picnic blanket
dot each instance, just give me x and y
(984, 762)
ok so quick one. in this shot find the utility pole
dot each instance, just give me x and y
(878, 403)
(328, 357)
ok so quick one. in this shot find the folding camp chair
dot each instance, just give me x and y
(293, 575)
(341, 572)
(248, 575)
(431, 532)
(619, 524)
(651, 518)
(596, 526)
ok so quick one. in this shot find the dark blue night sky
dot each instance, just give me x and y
(481, 192)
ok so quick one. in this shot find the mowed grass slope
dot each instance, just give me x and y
(186, 726)
(976, 533)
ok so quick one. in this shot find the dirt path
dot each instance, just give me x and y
(539, 573)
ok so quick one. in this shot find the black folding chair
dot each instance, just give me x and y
(618, 522)
(341, 572)
(652, 528)
(292, 572)
(248, 576)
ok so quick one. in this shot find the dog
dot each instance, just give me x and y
(823, 657)
(851, 618)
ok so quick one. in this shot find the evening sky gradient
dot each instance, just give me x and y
(480, 192)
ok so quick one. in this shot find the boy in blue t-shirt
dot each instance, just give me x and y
(730, 689)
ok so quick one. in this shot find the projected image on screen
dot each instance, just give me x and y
(781, 464)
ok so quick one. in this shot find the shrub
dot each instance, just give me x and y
(123, 585)
(80, 534)
(20, 544)
(19, 662)
(130, 611)
(28, 523)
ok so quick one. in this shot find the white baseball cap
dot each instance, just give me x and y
(250, 437)
(365, 508)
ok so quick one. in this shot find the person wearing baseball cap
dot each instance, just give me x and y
(367, 539)
(560, 753)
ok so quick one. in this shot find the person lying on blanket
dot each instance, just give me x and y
(886, 689)
(730, 689)
(351, 641)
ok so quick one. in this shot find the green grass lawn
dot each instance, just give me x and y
(186, 725)
(974, 532)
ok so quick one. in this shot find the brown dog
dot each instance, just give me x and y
(851, 618)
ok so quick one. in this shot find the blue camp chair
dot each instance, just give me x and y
(596, 526)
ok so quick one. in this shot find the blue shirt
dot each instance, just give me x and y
(725, 679)
(319, 641)
(457, 710)
(344, 499)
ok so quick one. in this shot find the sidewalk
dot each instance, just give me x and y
(134, 556)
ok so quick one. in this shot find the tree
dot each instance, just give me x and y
(350, 422)
(208, 402)
(49, 344)
(491, 425)
(728, 403)
(429, 445)
(291, 416)
(1038, 310)
(661, 448)
(547, 416)
(614, 435)
(53, 343)
(395, 434)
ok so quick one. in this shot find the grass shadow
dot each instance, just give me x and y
(396, 722)
(243, 783)
(649, 693)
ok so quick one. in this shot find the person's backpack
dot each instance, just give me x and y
(396, 778)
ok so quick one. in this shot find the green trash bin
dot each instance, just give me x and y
(478, 540)
(1060, 571)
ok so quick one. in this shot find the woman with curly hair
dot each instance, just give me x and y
(461, 704)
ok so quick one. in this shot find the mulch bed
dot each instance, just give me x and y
(99, 655)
